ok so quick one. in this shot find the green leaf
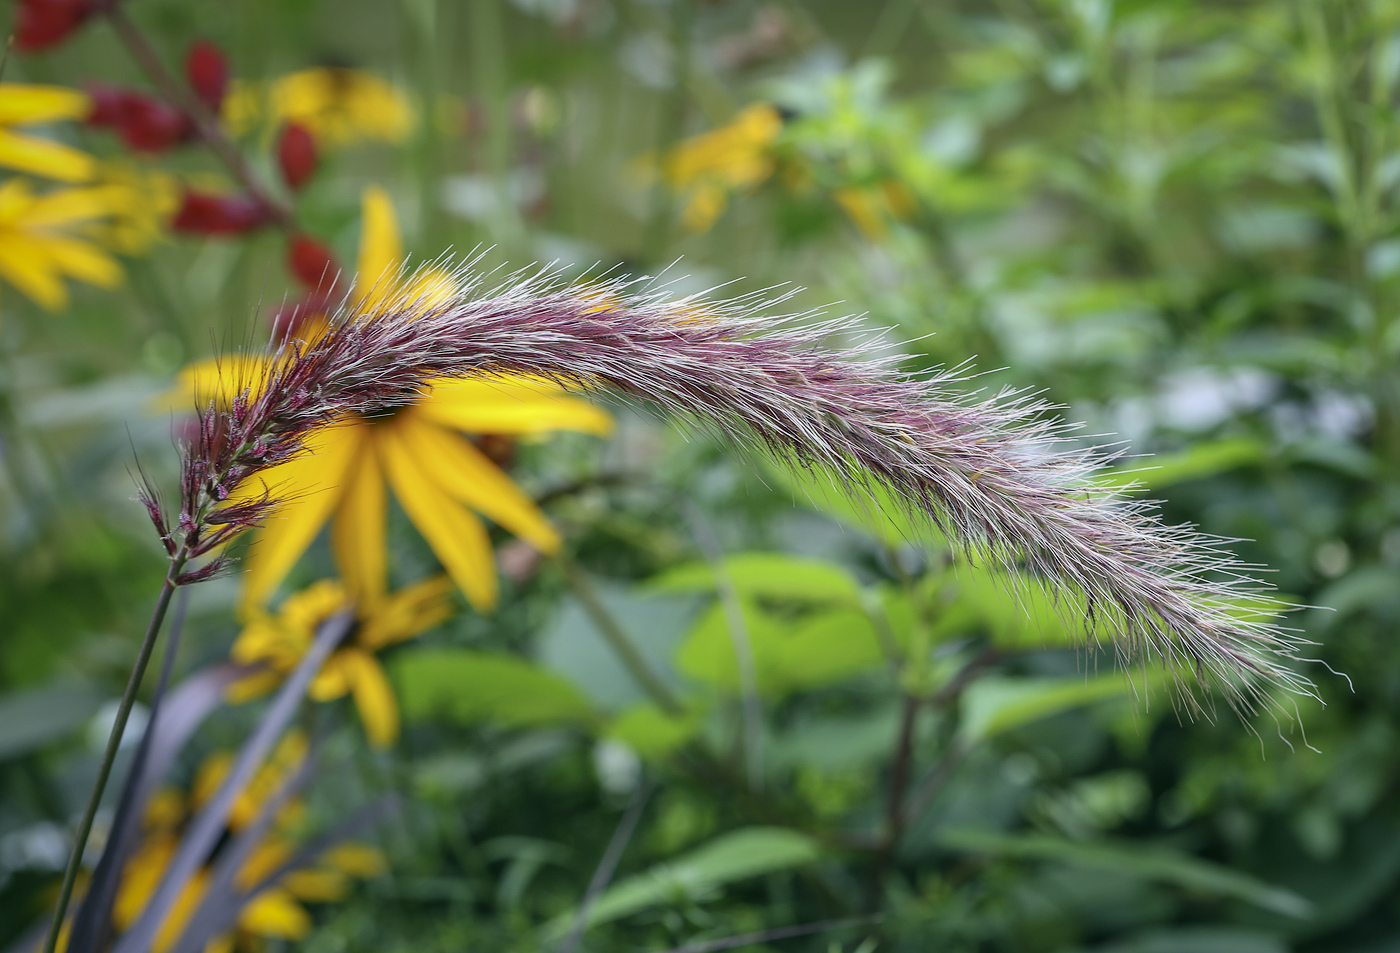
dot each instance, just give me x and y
(735, 856)
(869, 508)
(1015, 611)
(651, 732)
(1149, 863)
(995, 704)
(789, 655)
(36, 717)
(1202, 460)
(469, 686)
(775, 576)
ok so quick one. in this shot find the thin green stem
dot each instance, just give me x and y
(109, 756)
(616, 637)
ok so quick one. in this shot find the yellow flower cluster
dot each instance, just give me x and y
(706, 168)
(336, 105)
(277, 642)
(276, 912)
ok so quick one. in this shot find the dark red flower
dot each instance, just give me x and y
(44, 23)
(206, 67)
(313, 263)
(144, 122)
(296, 154)
(204, 214)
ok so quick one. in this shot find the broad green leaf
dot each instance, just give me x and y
(1202, 460)
(651, 732)
(789, 655)
(869, 508)
(1015, 611)
(766, 576)
(470, 686)
(1136, 860)
(36, 717)
(995, 704)
(735, 856)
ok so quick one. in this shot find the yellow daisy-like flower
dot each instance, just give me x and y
(278, 642)
(140, 204)
(337, 105)
(277, 912)
(440, 478)
(38, 247)
(708, 167)
(23, 104)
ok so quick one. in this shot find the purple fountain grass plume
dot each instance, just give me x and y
(992, 474)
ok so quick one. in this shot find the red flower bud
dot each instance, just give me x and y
(44, 23)
(206, 67)
(296, 154)
(145, 123)
(313, 263)
(204, 214)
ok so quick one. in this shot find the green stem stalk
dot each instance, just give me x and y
(109, 756)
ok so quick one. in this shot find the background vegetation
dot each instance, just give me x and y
(1176, 219)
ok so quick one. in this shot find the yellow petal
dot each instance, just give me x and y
(381, 251)
(23, 103)
(25, 267)
(406, 613)
(373, 697)
(311, 484)
(333, 681)
(456, 536)
(218, 380)
(511, 405)
(357, 860)
(81, 260)
(466, 473)
(69, 206)
(254, 686)
(275, 913)
(53, 160)
(358, 530)
(316, 886)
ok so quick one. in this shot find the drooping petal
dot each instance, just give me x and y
(218, 379)
(511, 405)
(53, 160)
(407, 613)
(465, 472)
(335, 678)
(25, 267)
(81, 260)
(275, 913)
(358, 530)
(24, 103)
(456, 536)
(374, 697)
(381, 251)
(311, 484)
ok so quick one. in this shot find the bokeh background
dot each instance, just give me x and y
(1174, 219)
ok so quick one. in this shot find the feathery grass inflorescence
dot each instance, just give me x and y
(991, 474)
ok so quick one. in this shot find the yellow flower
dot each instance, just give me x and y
(22, 104)
(277, 642)
(337, 105)
(871, 208)
(276, 912)
(708, 167)
(37, 245)
(140, 203)
(438, 476)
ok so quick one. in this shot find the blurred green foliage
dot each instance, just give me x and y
(1175, 218)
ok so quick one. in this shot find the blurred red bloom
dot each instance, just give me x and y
(313, 263)
(41, 24)
(144, 122)
(206, 67)
(296, 154)
(204, 214)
